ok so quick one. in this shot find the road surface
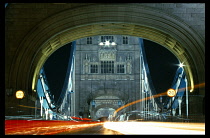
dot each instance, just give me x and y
(156, 128)
(56, 127)
(94, 130)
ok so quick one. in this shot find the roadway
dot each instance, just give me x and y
(44, 127)
(94, 130)
(157, 128)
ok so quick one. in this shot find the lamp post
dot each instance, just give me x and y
(186, 98)
(19, 95)
(180, 101)
(35, 109)
(171, 93)
(70, 92)
(41, 101)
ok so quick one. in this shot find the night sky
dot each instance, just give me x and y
(55, 69)
(162, 65)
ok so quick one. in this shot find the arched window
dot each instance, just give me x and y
(125, 40)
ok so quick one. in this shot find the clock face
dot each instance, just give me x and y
(171, 92)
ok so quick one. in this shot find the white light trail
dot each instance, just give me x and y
(154, 128)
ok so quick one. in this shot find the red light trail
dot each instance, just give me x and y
(43, 127)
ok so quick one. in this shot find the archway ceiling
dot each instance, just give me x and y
(100, 19)
(115, 28)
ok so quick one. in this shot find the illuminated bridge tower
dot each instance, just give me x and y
(107, 74)
(104, 74)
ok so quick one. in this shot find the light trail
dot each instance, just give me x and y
(199, 85)
(155, 128)
(53, 127)
(44, 127)
(28, 106)
(195, 86)
(154, 96)
(140, 100)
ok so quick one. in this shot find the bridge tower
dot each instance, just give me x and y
(107, 74)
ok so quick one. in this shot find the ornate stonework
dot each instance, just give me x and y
(107, 70)
(107, 55)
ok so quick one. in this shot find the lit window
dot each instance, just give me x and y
(120, 68)
(89, 40)
(107, 66)
(93, 68)
(125, 40)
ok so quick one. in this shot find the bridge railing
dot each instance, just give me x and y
(46, 98)
(65, 96)
(180, 86)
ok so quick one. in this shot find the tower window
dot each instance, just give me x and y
(107, 66)
(120, 68)
(89, 40)
(107, 38)
(93, 68)
(125, 40)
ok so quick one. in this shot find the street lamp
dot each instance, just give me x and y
(107, 43)
(181, 65)
(101, 43)
(19, 94)
(69, 108)
(113, 43)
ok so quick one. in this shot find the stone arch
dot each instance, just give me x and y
(103, 106)
(114, 92)
(100, 19)
(98, 96)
